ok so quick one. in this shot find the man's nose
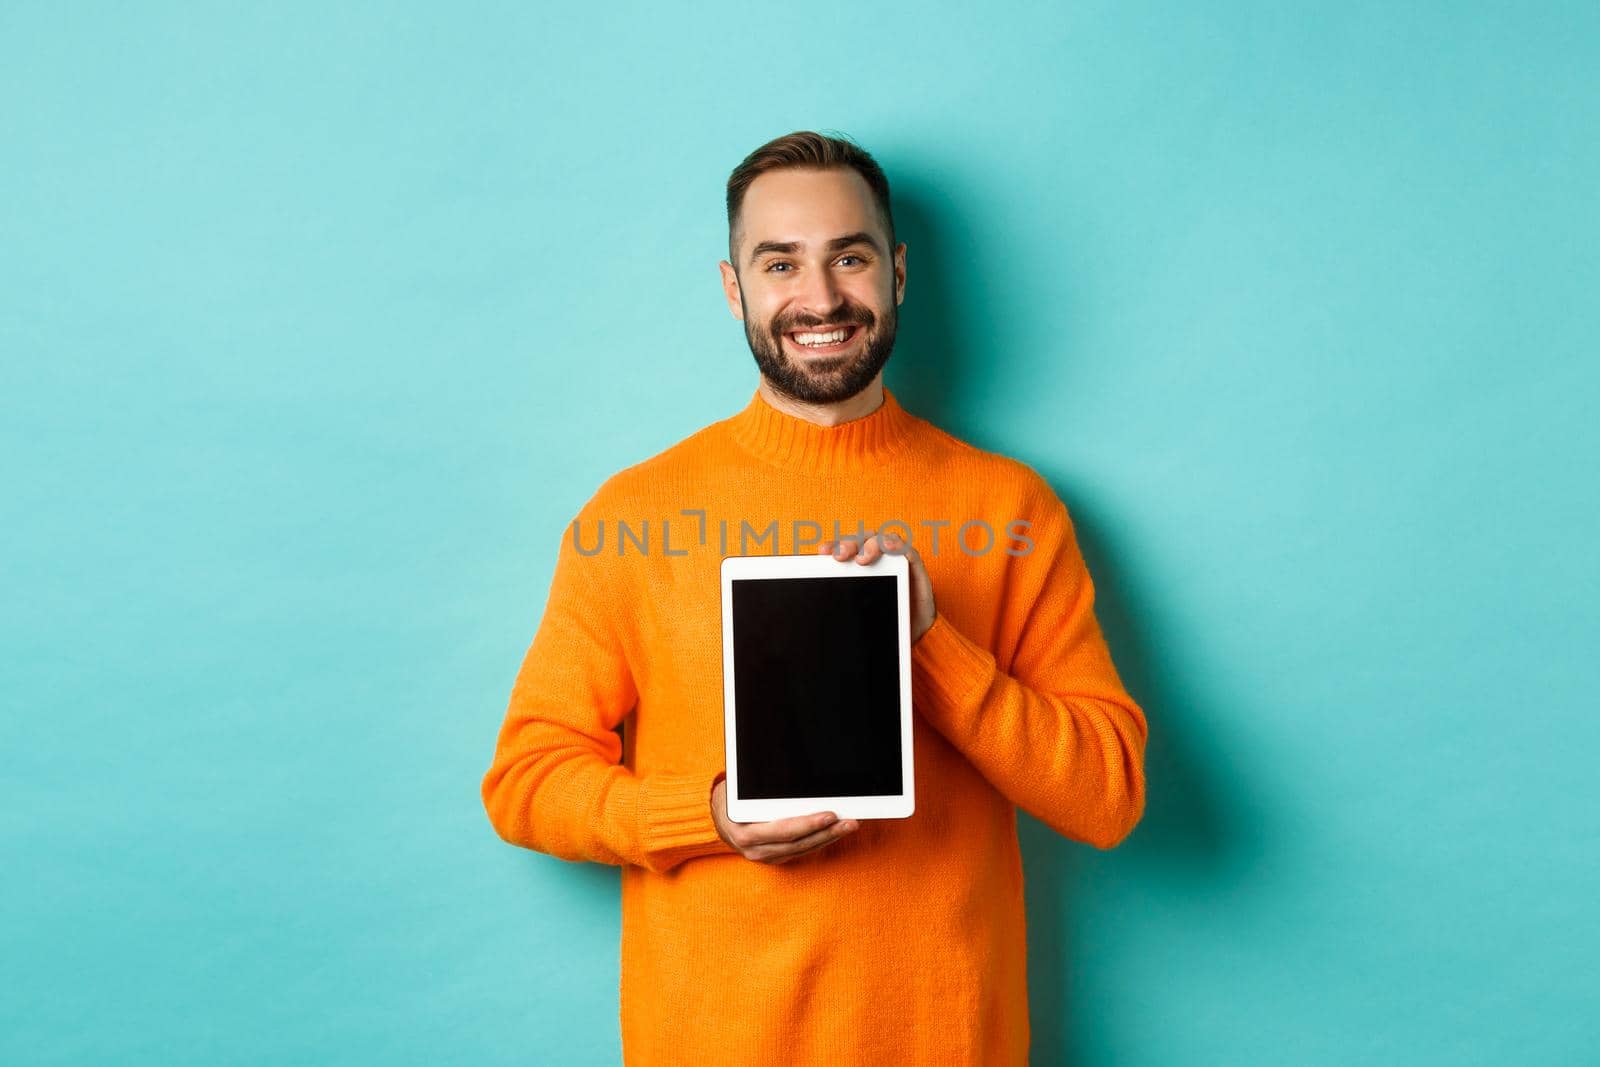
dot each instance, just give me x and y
(821, 296)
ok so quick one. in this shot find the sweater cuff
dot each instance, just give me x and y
(675, 819)
(950, 673)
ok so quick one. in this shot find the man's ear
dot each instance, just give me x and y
(730, 288)
(899, 272)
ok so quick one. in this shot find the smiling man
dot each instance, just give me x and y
(815, 940)
(818, 298)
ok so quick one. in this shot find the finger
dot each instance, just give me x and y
(784, 831)
(819, 840)
(847, 547)
(871, 550)
(779, 853)
(825, 549)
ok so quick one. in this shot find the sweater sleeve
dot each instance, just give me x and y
(556, 783)
(1059, 736)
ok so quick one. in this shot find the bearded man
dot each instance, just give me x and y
(814, 939)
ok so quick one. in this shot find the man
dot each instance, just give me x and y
(813, 940)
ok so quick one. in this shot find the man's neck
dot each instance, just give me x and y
(863, 403)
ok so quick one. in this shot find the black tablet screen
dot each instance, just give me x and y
(816, 687)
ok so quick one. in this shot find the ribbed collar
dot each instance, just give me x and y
(789, 441)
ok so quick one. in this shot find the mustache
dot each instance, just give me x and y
(853, 314)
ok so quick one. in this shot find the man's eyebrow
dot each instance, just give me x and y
(861, 237)
(785, 247)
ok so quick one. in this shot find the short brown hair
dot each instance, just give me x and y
(800, 150)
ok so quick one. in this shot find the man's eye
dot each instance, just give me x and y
(853, 256)
(775, 266)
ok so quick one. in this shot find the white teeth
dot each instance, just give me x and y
(814, 339)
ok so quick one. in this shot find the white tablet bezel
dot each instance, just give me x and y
(894, 806)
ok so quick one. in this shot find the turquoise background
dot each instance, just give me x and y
(319, 322)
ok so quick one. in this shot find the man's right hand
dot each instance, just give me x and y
(780, 840)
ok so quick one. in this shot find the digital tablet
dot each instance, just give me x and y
(816, 684)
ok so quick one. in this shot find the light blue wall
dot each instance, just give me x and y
(317, 325)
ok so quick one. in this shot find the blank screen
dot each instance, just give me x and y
(816, 666)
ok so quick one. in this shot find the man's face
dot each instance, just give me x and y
(816, 283)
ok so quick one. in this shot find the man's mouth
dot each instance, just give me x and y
(824, 340)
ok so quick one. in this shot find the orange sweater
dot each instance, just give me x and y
(903, 942)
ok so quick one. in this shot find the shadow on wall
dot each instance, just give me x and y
(925, 370)
(1188, 841)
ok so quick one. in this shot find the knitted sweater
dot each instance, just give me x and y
(903, 942)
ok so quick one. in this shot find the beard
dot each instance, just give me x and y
(822, 381)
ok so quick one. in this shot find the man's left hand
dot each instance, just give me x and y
(865, 550)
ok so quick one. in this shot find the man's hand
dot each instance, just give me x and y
(778, 841)
(876, 544)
